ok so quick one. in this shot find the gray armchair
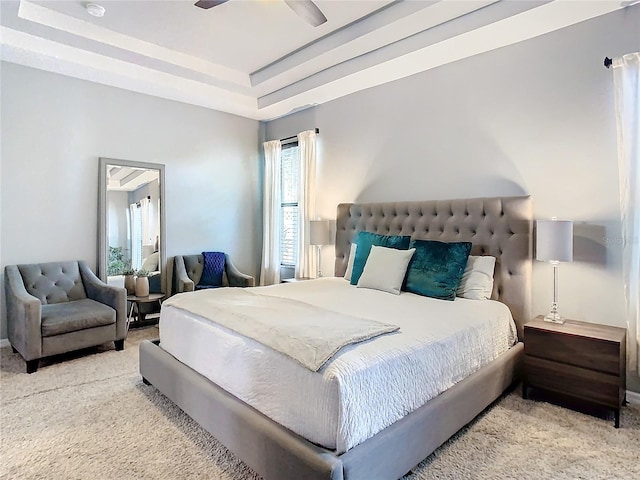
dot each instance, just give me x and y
(188, 270)
(58, 307)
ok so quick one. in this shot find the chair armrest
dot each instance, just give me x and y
(115, 297)
(236, 278)
(24, 313)
(183, 283)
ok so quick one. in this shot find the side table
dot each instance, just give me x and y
(136, 301)
(586, 361)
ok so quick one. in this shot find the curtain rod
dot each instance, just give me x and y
(607, 62)
(295, 136)
(148, 198)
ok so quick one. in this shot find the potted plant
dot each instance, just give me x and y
(129, 280)
(142, 283)
(115, 262)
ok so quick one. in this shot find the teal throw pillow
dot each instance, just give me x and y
(436, 268)
(364, 242)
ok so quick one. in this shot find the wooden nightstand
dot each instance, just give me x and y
(585, 361)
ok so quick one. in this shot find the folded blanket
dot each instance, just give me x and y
(212, 270)
(308, 334)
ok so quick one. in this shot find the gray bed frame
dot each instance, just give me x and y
(498, 226)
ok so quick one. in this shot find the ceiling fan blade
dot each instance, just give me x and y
(209, 3)
(307, 10)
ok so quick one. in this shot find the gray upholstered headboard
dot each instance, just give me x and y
(499, 226)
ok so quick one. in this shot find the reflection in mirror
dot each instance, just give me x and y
(131, 220)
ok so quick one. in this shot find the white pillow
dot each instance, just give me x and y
(477, 280)
(385, 269)
(352, 257)
(150, 264)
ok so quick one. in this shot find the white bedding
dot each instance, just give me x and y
(310, 335)
(365, 387)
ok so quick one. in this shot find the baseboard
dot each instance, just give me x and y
(4, 343)
(633, 397)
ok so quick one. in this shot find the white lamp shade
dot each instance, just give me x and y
(319, 232)
(554, 240)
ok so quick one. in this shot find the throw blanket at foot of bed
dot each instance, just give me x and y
(308, 334)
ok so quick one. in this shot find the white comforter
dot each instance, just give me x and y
(365, 387)
(308, 334)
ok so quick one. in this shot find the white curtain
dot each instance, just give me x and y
(626, 81)
(306, 266)
(270, 269)
(136, 236)
(147, 221)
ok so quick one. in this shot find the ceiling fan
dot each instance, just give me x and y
(304, 8)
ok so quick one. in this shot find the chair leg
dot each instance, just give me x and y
(32, 365)
(119, 344)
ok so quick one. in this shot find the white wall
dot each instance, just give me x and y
(533, 118)
(54, 129)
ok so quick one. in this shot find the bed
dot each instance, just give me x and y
(500, 227)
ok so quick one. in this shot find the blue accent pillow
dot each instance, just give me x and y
(365, 240)
(213, 269)
(436, 268)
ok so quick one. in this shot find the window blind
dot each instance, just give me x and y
(290, 175)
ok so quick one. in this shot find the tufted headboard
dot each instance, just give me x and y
(499, 226)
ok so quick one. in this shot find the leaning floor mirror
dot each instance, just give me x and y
(131, 229)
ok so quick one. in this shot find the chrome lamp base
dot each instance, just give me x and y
(319, 260)
(554, 317)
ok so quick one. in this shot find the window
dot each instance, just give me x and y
(290, 175)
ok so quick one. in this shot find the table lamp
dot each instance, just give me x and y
(554, 243)
(319, 234)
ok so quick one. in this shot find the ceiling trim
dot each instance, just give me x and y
(66, 23)
(380, 30)
(373, 22)
(24, 49)
(529, 24)
(396, 41)
(447, 24)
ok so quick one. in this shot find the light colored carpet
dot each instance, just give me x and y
(90, 417)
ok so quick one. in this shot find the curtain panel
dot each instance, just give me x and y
(626, 81)
(270, 268)
(136, 236)
(147, 221)
(306, 266)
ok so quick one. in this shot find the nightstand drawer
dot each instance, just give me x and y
(580, 382)
(591, 353)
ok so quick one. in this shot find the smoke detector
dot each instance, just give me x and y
(95, 9)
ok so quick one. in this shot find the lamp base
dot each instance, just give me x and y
(319, 260)
(554, 317)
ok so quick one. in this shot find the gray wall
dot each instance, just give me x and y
(54, 129)
(533, 118)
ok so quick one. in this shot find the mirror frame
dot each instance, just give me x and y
(102, 215)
